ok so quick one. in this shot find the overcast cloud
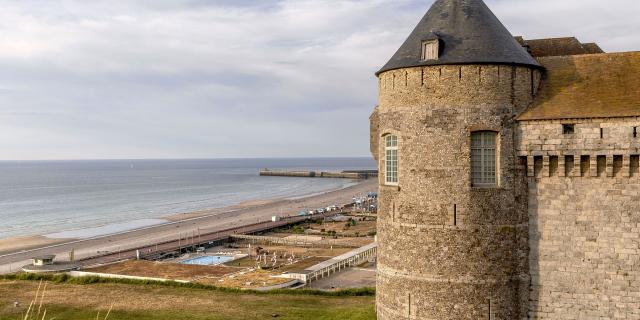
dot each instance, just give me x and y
(226, 78)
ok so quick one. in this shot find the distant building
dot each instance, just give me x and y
(46, 264)
(509, 174)
(43, 260)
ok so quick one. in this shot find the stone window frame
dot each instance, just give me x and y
(497, 158)
(385, 149)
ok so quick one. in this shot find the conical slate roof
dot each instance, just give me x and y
(468, 33)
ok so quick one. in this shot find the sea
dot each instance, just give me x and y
(63, 199)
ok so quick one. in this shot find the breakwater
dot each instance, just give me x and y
(347, 174)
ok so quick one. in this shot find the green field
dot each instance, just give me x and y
(70, 299)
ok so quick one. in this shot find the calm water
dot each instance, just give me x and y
(40, 197)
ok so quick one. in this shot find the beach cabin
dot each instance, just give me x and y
(44, 264)
(43, 260)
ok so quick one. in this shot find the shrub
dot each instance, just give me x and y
(91, 280)
(297, 229)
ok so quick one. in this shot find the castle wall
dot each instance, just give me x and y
(584, 211)
(449, 250)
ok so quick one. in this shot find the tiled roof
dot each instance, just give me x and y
(555, 47)
(588, 86)
(592, 48)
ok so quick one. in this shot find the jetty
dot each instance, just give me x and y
(346, 174)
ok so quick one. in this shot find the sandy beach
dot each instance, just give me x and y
(24, 243)
(203, 221)
(237, 207)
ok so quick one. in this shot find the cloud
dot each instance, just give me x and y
(225, 78)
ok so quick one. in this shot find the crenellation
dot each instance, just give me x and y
(594, 169)
(634, 166)
(546, 168)
(470, 75)
(562, 168)
(496, 83)
(432, 76)
(618, 166)
(608, 163)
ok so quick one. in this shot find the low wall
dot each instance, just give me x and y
(118, 276)
(287, 284)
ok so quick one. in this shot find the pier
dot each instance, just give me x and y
(347, 174)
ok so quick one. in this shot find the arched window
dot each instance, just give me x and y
(483, 158)
(391, 159)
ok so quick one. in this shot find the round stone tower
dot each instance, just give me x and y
(453, 225)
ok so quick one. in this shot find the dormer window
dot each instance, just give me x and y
(430, 50)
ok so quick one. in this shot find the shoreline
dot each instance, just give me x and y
(252, 204)
(286, 206)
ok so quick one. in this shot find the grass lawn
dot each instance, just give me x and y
(71, 301)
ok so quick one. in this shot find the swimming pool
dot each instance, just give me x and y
(208, 260)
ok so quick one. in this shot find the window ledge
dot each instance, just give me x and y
(392, 187)
(486, 188)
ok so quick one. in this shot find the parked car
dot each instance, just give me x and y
(302, 213)
(320, 211)
(312, 212)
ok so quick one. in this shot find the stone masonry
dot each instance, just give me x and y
(584, 229)
(452, 251)
(558, 236)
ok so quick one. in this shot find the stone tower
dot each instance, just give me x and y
(453, 224)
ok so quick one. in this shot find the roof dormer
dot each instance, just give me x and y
(430, 47)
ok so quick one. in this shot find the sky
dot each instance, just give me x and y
(141, 79)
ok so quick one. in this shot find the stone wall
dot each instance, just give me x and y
(584, 211)
(374, 135)
(449, 250)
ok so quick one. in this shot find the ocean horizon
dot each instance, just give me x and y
(51, 197)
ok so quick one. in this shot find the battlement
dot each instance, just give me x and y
(499, 83)
(607, 147)
(585, 166)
